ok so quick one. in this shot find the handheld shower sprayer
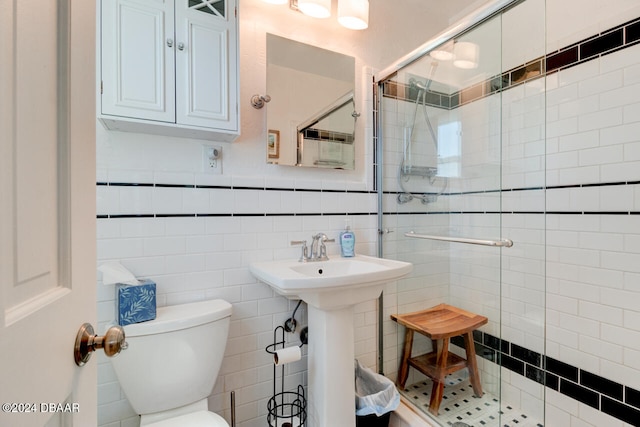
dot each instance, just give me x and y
(413, 83)
(406, 168)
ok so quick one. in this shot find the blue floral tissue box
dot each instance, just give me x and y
(136, 303)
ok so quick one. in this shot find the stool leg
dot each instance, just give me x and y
(403, 374)
(437, 391)
(472, 364)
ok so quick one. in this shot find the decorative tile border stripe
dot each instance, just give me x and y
(229, 187)
(615, 399)
(231, 214)
(609, 41)
(407, 93)
(328, 136)
(447, 194)
(228, 215)
(507, 190)
(625, 213)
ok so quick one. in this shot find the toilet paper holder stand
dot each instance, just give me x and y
(284, 408)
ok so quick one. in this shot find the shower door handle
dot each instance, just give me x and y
(385, 231)
(497, 243)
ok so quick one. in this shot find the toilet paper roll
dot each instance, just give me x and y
(287, 355)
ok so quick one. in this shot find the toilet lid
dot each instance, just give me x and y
(194, 419)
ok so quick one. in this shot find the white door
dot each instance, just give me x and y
(47, 210)
(137, 52)
(205, 64)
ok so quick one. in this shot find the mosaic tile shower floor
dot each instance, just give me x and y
(459, 405)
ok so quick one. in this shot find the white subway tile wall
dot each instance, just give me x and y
(197, 258)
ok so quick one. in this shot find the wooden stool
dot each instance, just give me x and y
(440, 323)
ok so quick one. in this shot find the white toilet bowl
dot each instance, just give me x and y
(172, 362)
(195, 415)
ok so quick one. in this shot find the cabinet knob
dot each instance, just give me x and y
(180, 46)
(169, 42)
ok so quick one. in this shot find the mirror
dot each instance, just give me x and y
(311, 116)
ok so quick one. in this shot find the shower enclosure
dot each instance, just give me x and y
(460, 144)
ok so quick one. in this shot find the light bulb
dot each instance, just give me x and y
(315, 8)
(443, 52)
(465, 55)
(353, 14)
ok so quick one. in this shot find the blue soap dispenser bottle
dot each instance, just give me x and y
(347, 242)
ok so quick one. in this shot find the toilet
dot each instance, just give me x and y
(172, 362)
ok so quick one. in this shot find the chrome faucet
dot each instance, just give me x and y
(317, 251)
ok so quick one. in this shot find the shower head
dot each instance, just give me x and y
(422, 86)
(413, 83)
(404, 198)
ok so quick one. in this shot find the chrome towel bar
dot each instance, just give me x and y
(503, 242)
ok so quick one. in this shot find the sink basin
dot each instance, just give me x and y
(331, 289)
(330, 284)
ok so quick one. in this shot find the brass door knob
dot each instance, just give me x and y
(87, 342)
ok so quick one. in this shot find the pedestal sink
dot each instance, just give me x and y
(331, 289)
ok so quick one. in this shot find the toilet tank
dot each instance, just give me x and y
(173, 360)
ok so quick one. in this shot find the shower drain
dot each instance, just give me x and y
(459, 424)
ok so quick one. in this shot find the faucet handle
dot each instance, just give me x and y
(322, 238)
(303, 254)
(322, 255)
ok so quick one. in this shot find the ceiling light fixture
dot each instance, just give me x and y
(353, 14)
(315, 8)
(444, 52)
(465, 55)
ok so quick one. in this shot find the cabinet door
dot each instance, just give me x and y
(206, 64)
(138, 59)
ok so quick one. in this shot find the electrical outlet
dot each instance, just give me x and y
(212, 159)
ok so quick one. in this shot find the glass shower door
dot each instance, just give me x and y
(461, 137)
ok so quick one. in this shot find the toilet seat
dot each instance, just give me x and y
(194, 419)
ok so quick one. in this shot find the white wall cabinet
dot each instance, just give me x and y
(170, 67)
